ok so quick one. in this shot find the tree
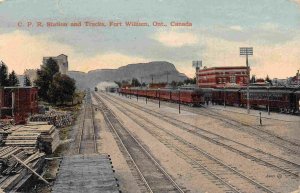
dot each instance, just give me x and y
(45, 77)
(13, 79)
(27, 81)
(118, 83)
(61, 89)
(135, 82)
(268, 80)
(190, 81)
(253, 79)
(3, 75)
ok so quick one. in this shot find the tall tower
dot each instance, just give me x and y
(197, 65)
(62, 62)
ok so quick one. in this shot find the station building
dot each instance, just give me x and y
(219, 77)
(18, 103)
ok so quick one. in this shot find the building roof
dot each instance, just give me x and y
(13, 87)
(223, 67)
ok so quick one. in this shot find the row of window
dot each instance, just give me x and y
(272, 96)
(232, 80)
(224, 73)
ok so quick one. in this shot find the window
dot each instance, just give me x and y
(232, 79)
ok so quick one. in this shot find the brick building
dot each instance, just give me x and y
(216, 77)
(18, 102)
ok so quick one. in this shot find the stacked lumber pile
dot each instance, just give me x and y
(32, 136)
(57, 118)
(14, 174)
(22, 139)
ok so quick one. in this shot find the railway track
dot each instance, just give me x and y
(150, 173)
(280, 141)
(228, 177)
(283, 143)
(87, 137)
(285, 166)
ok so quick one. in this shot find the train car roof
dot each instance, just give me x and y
(265, 90)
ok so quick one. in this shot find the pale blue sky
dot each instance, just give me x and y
(219, 27)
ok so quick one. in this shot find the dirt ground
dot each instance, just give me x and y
(182, 171)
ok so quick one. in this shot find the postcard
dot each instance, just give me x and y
(199, 96)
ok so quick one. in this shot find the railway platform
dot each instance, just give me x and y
(86, 173)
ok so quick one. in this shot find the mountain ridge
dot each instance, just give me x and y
(159, 70)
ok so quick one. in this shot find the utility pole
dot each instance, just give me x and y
(247, 51)
(298, 78)
(224, 96)
(268, 99)
(146, 97)
(179, 100)
(158, 97)
(152, 78)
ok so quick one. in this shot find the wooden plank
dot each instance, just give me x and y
(21, 162)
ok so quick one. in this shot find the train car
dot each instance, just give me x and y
(277, 98)
(152, 93)
(141, 92)
(230, 96)
(297, 100)
(164, 94)
(189, 97)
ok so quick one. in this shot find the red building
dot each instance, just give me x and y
(18, 102)
(222, 76)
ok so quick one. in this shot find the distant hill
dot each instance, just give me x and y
(158, 70)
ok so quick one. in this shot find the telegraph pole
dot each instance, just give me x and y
(247, 51)
(158, 97)
(298, 78)
(179, 100)
(152, 78)
(146, 97)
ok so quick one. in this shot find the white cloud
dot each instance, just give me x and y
(296, 1)
(175, 39)
(103, 61)
(270, 26)
(20, 51)
(236, 28)
(280, 60)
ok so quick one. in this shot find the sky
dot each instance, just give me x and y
(219, 28)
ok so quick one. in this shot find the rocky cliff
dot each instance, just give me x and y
(145, 71)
